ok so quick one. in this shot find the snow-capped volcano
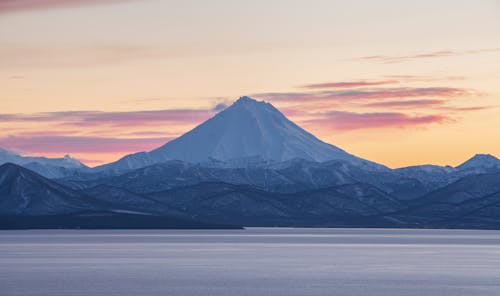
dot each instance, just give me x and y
(248, 129)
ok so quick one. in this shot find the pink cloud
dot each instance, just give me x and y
(99, 132)
(366, 94)
(147, 133)
(119, 119)
(407, 104)
(80, 144)
(344, 121)
(349, 84)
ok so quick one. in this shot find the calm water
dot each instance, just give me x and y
(250, 262)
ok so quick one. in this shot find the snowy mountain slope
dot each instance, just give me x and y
(284, 177)
(467, 188)
(480, 163)
(25, 195)
(434, 176)
(227, 204)
(47, 167)
(25, 192)
(245, 131)
(290, 176)
(28, 200)
(470, 202)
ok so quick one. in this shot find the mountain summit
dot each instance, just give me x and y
(248, 129)
(480, 161)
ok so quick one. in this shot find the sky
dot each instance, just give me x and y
(397, 82)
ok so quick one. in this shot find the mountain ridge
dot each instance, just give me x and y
(49, 167)
(476, 198)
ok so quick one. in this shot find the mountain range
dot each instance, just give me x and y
(246, 166)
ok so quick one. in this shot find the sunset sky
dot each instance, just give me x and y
(397, 82)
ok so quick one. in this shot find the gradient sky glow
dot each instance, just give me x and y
(396, 82)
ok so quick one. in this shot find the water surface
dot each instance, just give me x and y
(255, 261)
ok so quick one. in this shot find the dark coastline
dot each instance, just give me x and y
(103, 220)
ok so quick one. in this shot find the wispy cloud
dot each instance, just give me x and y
(388, 59)
(407, 104)
(339, 106)
(366, 94)
(466, 108)
(80, 144)
(119, 119)
(424, 78)
(338, 109)
(344, 121)
(99, 132)
(147, 134)
(11, 6)
(348, 84)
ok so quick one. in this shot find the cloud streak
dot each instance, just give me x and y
(346, 121)
(99, 133)
(387, 59)
(80, 144)
(406, 104)
(366, 94)
(12, 6)
(348, 84)
(117, 119)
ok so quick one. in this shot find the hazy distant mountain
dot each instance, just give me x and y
(248, 131)
(48, 167)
